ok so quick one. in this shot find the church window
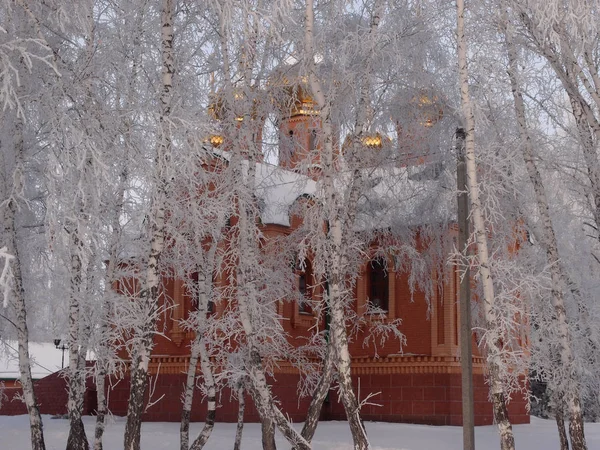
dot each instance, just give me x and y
(304, 291)
(312, 140)
(287, 146)
(378, 284)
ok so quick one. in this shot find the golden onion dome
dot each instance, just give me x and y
(217, 105)
(415, 109)
(290, 92)
(427, 108)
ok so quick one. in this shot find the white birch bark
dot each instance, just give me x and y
(106, 341)
(560, 425)
(211, 397)
(188, 396)
(11, 207)
(335, 260)
(494, 360)
(18, 292)
(320, 393)
(267, 429)
(568, 71)
(550, 244)
(247, 295)
(239, 429)
(318, 397)
(77, 439)
(150, 289)
(199, 352)
(103, 350)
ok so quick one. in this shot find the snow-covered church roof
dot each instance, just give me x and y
(407, 196)
(390, 196)
(278, 189)
(45, 359)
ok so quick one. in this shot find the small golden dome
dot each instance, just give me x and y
(428, 109)
(371, 141)
(216, 140)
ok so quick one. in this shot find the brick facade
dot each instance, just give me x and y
(51, 393)
(424, 398)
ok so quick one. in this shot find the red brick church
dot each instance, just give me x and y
(419, 385)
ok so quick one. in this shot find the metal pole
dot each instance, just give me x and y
(464, 297)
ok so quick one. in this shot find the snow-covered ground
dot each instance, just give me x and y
(539, 435)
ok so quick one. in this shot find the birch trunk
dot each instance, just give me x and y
(100, 379)
(150, 291)
(188, 396)
(199, 353)
(339, 338)
(239, 429)
(101, 370)
(560, 425)
(103, 348)
(335, 256)
(246, 293)
(101, 358)
(77, 439)
(550, 244)
(205, 270)
(316, 403)
(10, 233)
(494, 361)
(588, 127)
(590, 155)
(79, 331)
(211, 390)
(267, 429)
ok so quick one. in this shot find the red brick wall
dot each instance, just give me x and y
(51, 394)
(169, 408)
(414, 398)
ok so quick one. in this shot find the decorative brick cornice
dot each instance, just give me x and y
(360, 365)
(171, 365)
(412, 364)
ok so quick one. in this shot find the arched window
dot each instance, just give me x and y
(287, 146)
(378, 284)
(312, 141)
(304, 289)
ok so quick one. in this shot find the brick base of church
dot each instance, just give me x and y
(430, 398)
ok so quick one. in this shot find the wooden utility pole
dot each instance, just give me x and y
(464, 297)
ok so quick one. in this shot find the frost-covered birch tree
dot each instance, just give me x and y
(255, 315)
(351, 64)
(549, 242)
(151, 278)
(23, 53)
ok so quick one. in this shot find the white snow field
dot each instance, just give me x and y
(539, 435)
